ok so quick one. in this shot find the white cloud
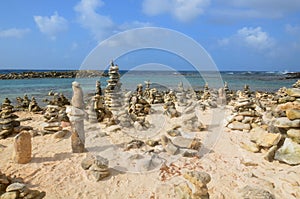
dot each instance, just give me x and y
(52, 25)
(254, 38)
(101, 26)
(14, 32)
(183, 10)
(255, 8)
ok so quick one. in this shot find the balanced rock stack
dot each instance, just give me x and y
(33, 106)
(52, 120)
(7, 119)
(199, 180)
(97, 166)
(112, 92)
(124, 116)
(12, 188)
(155, 97)
(181, 95)
(287, 121)
(244, 115)
(169, 105)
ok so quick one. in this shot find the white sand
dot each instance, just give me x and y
(57, 171)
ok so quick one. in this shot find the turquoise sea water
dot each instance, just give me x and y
(262, 81)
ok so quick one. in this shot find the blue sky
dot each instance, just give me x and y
(238, 34)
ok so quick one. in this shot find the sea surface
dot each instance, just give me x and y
(39, 88)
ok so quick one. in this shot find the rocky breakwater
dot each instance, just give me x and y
(8, 122)
(15, 188)
(287, 121)
(53, 74)
(244, 116)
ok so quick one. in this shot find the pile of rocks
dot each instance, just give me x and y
(14, 188)
(124, 116)
(33, 106)
(155, 97)
(181, 95)
(244, 116)
(287, 122)
(169, 105)
(52, 118)
(23, 103)
(199, 180)
(96, 166)
(139, 109)
(7, 119)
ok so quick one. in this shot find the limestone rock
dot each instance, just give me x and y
(293, 114)
(293, 92)
(294, 134)
(187, 142)
(263, 138)
(168, 145)
(249, 192)
(250, 146)
(271, 153)
(289, 152)
(284, 122)
(10, 195)
(235, 125)
(15, 187)
(22, 148)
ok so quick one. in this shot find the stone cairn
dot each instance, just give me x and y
(139, 109)
(7, 119)
(33, 106)
(52, 120)
(76, 114)
(244, 115)
(124, 116)
(14, 188)
(23, 103)
(96, 166)
(181, 95)
(199, 180)
(169, 105)
(286, 120)
(113, 95)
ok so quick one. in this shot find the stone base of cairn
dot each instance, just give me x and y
(13, 188)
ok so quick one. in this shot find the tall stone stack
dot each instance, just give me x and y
(181, 95)
(244, 115)
(287, 121)
(33, 106)
(112, 96)
(76, 114)
(7, 119)
(124, 116)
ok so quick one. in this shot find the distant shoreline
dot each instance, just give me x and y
(35, 74)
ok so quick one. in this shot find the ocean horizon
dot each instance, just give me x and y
(268, 81)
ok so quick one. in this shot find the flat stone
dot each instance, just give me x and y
(271, 153)
(71, 110)
(60, 134)
(289, 152)
(235, 125)
(53, 128)
(250, 146)
(284, 122)
(293, 92)
(293, 114)
(294, 134)
(15, 187)
(87, 162)
(168, 145)
(288, 105)
(10, 195)
(187, 143)
(262, 138)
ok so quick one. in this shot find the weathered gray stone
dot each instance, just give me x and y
(289, 152)
(168, 145)
(15, 187)
(249, 192)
